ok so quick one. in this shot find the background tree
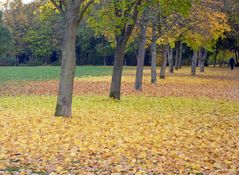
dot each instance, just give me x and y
(121, 17)
(141, 49)
(5, 37)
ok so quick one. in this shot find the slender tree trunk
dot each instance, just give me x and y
(215, 59)
(194, 63)
(202, 67)
(117, 71)
(180, 55)
(236, 55)
(202, 59)
(222, 60)
(104, 60)
(125, 62)
(177, 56)
(153, 50)
(170, 60)
(164, 64)
(64, 101)
(141, 54)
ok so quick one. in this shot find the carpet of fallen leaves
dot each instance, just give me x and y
(192, 132)
(215, 83)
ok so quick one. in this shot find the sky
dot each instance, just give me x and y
(25, 1)
(3, 1)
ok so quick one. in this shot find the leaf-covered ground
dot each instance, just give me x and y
(183, 125)
(215, 83)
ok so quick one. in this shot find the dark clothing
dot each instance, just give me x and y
(232, 63)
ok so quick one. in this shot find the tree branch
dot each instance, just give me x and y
(58, 7)
(84, 8)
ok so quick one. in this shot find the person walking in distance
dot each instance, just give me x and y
(232, 63)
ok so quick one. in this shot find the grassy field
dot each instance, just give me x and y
(48, 73)
(182, 125)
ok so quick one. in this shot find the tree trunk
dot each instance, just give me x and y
(236, 55)
(194, 63)
(202, 59)
(117, 71)
(202, 67)
(64, 101)
(180, 55)
(104, 60)
(153, 62)
(164, 64)
(153, 50)
(125, 62)
(141, 55)
(215, 59)
(177, 56)
(170, 60)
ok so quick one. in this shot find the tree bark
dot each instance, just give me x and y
(141, 54)
(104, 60)
(170, 60)
(164, 64)
(153, 50)
(177, 56)
(215, 59)
(194, 63)
(180, 55)
(64, 101)
(236, 55)
(202, 59)
(117, 71)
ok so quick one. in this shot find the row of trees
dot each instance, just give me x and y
(118, 27)
(35, 38)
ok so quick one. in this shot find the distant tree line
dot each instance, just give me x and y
(32, 34)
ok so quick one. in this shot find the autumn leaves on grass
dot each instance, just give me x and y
(136, 136)
(216, 84)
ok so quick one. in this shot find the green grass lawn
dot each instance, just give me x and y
(48, 72)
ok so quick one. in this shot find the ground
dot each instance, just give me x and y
(181, 125)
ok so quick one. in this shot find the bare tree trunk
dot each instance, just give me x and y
(104, 60)
(164, 64)
(236, 55)
(194, 63)
(177, 56)
(117, 71)
(180, 55)
(170, 60)
(202, 59)
(64, 101)
(141, 54)
(125, 62)
(215, 58)
(153, 51)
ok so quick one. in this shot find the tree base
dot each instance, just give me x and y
(138, 87)
(115, 95)
(63, 111)
(153, 81)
